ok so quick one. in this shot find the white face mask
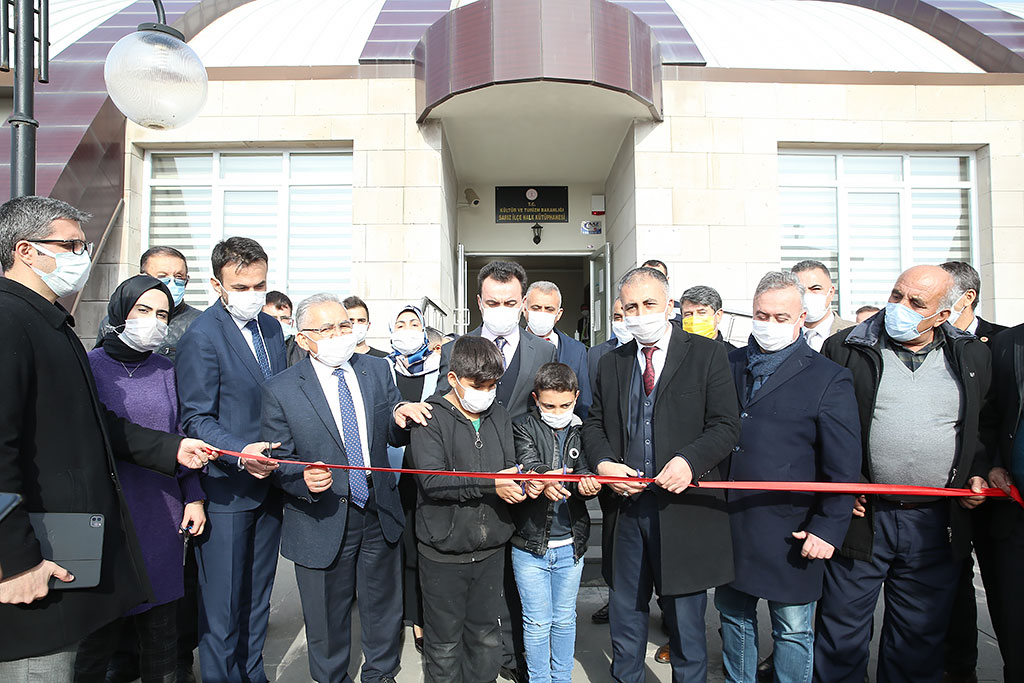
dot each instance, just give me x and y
(557, 420)
(621, 332)
(649, 328)
(245, 306)
(540, 322)
(359, 331)
(144, 334)
(69, 275)
(500, 320)
(955, 314)
(772, 336)
(408, 340)
(816, 306)
(288, 330)
(333, 351)
(474, 400)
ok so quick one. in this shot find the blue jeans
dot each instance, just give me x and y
(792, 633)
(548, 586)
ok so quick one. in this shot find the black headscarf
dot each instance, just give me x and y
(121, 303)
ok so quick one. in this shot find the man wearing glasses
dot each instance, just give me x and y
(167, 265)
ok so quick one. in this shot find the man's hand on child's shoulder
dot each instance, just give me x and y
(417, 412)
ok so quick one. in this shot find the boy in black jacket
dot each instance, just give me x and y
(463, 523)
(552, 528)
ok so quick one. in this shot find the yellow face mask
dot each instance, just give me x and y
(704, 325)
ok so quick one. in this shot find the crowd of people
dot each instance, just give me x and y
(172, 427)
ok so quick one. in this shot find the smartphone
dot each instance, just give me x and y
(8, 501)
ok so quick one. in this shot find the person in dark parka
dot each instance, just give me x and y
(58, 444)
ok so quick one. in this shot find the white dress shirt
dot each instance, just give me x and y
(817, 335)
(973, 327)
(329, 383)
(247, 336)
(552, 338)
(659, 355)
(512, 339)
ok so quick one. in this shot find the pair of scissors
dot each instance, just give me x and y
(522, 483)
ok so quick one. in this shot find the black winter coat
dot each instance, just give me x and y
(57, 450)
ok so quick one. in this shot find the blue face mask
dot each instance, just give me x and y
(901, 322)
(177, 288)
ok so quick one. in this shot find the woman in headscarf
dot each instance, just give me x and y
(138, 385)
(415, 362)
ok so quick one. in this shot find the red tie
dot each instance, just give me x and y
(649, 370)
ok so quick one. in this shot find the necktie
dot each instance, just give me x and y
(501, 343)
(261, 351)
(359, 491)
(649, 369)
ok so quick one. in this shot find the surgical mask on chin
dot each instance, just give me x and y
(359, 331)
(704, 325)
(620, 332)
(500, 320)
(772, 336)
(177, 291)
(474, 400)
(649, 328)
(245, 306)
(540, 323)
(69, 275)
(557, 420)
(408, 341)
(816, 306)
(901, 323)
(144, 334)
(333, 351)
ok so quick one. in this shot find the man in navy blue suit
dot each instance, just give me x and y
(223, 359)
(543, 311)
(341, 530)
(798, 422)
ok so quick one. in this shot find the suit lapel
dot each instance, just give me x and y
(624, 362)
(789, 369)
(314, 391)
(366, 394)
(238, 344)
(527, 351)
(739, 375)
(678, 348)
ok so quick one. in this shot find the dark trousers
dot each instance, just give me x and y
(188, 612)
(237, 558)
(1000, 550)
(960, 650)
(461, 607)
(157, 637)
(412, 606)
(636, 573)
(513, 650)
(367, 566)
(912, 558)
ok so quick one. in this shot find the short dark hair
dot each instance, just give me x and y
(31, 218)
(811, 264)
(703, 295)
(355, 302)
(502, 271)
(279, 300)
(655, 263)
(241, 251)
(867, 309)
(965, 278)
(477, 359)
(640, 274)
(555, 377)
(160, 251)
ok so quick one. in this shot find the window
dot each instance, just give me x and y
(870, 216)
(298, 206)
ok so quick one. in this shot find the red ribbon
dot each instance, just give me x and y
(788, 486)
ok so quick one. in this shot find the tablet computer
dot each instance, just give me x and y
(8, 501)
(74, 540)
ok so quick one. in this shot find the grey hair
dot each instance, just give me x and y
(703, 295)
(965, 278)
(643, 273)
(31, 218)
(547, 288)
(434, 335)
(302, 312)
(952, 293)
(779, 279)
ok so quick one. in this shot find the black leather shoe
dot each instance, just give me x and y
(766, 669)
(512, 675)
(601, 615)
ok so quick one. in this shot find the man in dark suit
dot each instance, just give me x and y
(961, 648)
(799, 423)
(341, 529)
(620, 335)
(677, 312)
(223, 360)
(543, 311)
(664, 405)
(502, 286)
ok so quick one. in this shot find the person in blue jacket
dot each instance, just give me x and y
(543, 310)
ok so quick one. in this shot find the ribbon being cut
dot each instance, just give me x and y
(795, 486)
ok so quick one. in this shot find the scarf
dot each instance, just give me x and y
(421, 361)
(762, 365)
(121, 303)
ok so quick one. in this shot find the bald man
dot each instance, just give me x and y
(921, 385)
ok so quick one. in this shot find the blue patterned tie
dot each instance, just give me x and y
(359, 491)
(501, 342)
(261, 350)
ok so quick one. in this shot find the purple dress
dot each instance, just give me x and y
(156, 502)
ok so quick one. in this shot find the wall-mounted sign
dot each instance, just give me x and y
(531, 204)
(590, 227)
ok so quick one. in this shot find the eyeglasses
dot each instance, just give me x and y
(78, 247)
(177, 281)
(329, 330)
(286, 319)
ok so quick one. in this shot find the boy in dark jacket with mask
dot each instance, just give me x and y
(552, 528)
(463, 523)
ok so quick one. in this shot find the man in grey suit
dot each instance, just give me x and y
(502, 287)
(821, 322)
(341, 530)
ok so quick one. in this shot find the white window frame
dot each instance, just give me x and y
(904, 188)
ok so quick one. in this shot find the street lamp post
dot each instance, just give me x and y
(23, 123)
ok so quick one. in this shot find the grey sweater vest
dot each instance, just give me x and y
(917, 420)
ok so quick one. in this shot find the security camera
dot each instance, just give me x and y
(472, 197)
